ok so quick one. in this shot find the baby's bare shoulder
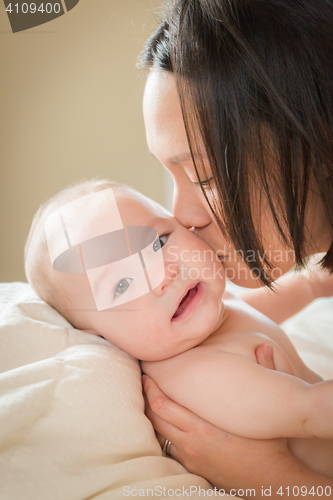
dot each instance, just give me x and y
(187, 361)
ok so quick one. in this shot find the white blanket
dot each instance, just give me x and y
(72, 423)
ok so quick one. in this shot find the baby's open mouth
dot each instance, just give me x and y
(186, 301)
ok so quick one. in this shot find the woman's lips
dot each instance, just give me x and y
(221, 257)
(188, 303)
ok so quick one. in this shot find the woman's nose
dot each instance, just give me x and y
(189, 209)
(171, 273)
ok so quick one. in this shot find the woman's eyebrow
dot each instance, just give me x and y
(180, 158)
(176, 160)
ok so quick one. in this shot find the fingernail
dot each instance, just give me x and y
(268, 352)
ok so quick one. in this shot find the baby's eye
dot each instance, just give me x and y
(160, 242)
(122, 285)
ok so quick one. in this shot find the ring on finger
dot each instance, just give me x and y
(166, 448)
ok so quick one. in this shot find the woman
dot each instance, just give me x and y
(238, 107)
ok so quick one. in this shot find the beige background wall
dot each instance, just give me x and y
(70, 101)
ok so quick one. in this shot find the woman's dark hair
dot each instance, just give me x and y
(255, 81)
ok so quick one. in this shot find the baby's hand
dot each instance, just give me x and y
(321, 281)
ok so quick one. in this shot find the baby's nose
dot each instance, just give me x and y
(171, 273)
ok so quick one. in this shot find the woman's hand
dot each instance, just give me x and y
(202, 447)
(187, 433)
(226, 460)
(264, 355)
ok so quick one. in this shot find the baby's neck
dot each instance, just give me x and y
(224, 314)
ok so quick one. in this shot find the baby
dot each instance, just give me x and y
(118, 265)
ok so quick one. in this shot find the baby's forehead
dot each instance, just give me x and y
(86, 229)
(137, 209)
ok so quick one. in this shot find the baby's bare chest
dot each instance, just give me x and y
(243, 331)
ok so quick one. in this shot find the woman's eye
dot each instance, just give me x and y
(122, 285)
(206, 183)
(160, 242)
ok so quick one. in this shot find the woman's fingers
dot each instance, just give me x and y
(164, 430)
(207, 450)
(264, 355)
(168, 411)
(172, 448)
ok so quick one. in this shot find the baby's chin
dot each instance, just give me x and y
(211, 321)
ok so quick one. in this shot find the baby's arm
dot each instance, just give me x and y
(294, 291)
(243, 398)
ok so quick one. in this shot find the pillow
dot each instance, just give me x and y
(311, 332)
(72, 422)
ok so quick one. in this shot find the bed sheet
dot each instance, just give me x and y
(72, 423)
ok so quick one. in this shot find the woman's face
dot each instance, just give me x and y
(167, 141)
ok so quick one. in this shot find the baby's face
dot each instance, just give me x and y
(179, 313)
